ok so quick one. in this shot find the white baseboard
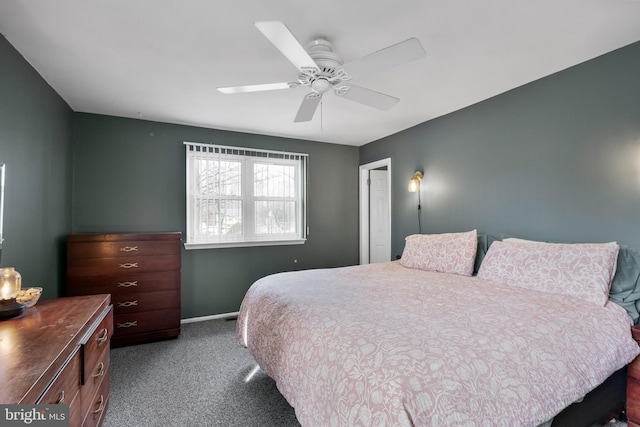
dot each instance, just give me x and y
(212, 317)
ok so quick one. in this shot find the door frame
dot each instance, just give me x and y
(364, 205)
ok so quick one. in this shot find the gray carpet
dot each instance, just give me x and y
(196, 380)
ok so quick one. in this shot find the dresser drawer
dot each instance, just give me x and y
(96, 374)
(148, 321)
(99, 374)
(97, 405)
(124, 283)
(66, 385)
(96, 344)
(127, 248)
(135, 302)
(112, 266)
(633, 369)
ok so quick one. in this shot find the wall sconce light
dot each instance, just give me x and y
(414, 187)
(10, 284)
(414, 182)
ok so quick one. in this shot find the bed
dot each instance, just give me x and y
(423, 342)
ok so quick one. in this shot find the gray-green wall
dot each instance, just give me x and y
(35, 144)
(557, 159)
(129, 176)
(72, 172)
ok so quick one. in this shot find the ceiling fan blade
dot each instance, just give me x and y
(367, 97)
(406, 51)
(308, 107)
(257, 88)
(284, 40)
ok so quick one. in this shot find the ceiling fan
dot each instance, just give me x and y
(321, 69)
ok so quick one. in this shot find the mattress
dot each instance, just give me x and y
(383, 345)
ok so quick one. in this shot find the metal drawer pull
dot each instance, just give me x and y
(103, 338)
(127, 324)
(128, 265)
(100, 408)
(127, 284)
(61, 398)
(99, 374)
(127, 303)
(129, 249)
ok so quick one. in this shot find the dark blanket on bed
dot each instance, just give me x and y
(625, 288)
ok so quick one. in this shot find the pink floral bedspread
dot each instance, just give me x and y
(385, 345)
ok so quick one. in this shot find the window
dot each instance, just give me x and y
(244, 197)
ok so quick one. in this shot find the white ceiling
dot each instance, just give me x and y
(162, 60)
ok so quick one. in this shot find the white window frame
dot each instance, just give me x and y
(248, 157)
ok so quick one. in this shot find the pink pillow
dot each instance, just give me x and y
(444, 253)
(582, 270)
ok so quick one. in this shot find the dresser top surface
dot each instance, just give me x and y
(117, 237)
(33, 344)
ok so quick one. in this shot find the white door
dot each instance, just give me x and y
(379, 232)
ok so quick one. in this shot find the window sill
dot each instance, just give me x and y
(190, 246)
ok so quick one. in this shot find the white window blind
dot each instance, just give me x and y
(245, 197)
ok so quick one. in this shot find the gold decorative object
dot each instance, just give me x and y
(29, 296)
(127, 284)
(127, 303)
(127, 324)
(128, 265)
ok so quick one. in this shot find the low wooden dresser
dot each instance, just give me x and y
(633, 385)
(57, 352)
(141, 272)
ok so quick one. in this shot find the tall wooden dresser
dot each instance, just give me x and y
(141, 271)
(57, 352)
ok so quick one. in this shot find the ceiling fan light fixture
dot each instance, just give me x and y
(321, 69)
(320, 85)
